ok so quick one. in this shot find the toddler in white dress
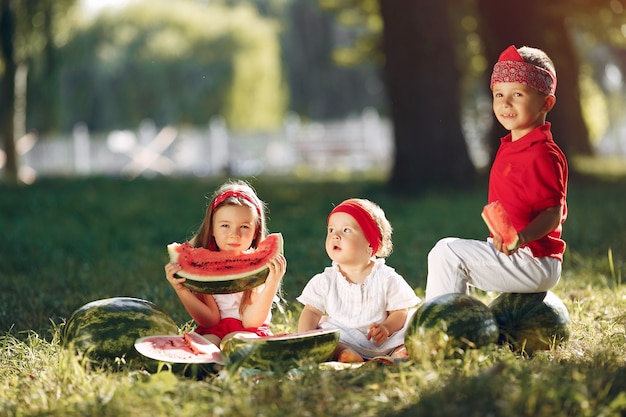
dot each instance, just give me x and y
(367, 300)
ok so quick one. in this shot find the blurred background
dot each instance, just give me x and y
(346, 88)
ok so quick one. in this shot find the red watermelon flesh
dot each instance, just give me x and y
(498, 222)
(218, 272)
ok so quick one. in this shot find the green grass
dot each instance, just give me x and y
(67, 242)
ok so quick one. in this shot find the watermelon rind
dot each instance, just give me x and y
(233, 282)
(531, 322)
(106, 330)
(275, 353)
(451, 321)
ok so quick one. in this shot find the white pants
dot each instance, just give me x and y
(455, 264)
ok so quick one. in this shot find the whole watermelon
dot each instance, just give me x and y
(107, 329)
(532, 321)
(461, 320)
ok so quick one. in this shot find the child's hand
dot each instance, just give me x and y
(278, 267)
(502, 247)
(378, 332)
(176, 283)
(498, 244)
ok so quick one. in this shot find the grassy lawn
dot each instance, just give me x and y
(67, 242)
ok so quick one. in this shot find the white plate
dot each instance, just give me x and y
(179, 349)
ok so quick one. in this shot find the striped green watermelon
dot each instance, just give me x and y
(280, 352)
(107, 329)
(450, 321)
(214, 272)
(531, 322)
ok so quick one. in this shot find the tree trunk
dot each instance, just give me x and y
(531, 26)
(50, 96)
(423, 89)
(7, 36)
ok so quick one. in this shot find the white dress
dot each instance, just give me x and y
(352, 308)
(228, 304)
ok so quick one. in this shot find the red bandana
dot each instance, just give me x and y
(365, 221)
(238, 194)
(511, 68)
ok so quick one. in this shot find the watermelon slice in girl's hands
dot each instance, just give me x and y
(498, 222)
(214, 272)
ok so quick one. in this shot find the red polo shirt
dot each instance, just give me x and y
(528, 176)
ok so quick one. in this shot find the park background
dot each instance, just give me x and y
(117, 121)
(292, 86)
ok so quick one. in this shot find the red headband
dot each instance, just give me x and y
(511, 68)
(238, 194)
(365, 221)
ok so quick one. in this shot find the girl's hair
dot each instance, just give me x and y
(236, 193)
(377, 213)
(242, 195)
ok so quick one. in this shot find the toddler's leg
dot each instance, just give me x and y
(345, 354)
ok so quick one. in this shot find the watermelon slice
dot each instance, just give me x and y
(214, 272)
(188, 348)
(498, 222)
(280, 351)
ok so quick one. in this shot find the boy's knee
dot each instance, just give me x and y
(440, 249)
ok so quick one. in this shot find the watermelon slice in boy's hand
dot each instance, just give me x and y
(499, 223)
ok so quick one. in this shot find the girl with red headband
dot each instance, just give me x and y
(359, 295)
(234, 222)
(528, 177)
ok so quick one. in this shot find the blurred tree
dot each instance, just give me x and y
(180, 64)
(423, 87)
(7, 97)
(423, 84)
(321, 87)
(27, 29)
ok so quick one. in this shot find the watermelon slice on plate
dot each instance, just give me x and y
(214, 272)
(498, 222)
(186, 348)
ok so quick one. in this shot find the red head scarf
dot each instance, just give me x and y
(511, 68)
(238, 194)
(365, 221)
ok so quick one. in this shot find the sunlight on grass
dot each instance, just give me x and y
(609, 167)
(68, 242)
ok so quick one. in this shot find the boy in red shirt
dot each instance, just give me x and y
(528, 177)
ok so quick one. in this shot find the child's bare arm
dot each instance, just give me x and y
(309, 318)
(394, 322)
(545, 222)
(202, 308)
(255, 314)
